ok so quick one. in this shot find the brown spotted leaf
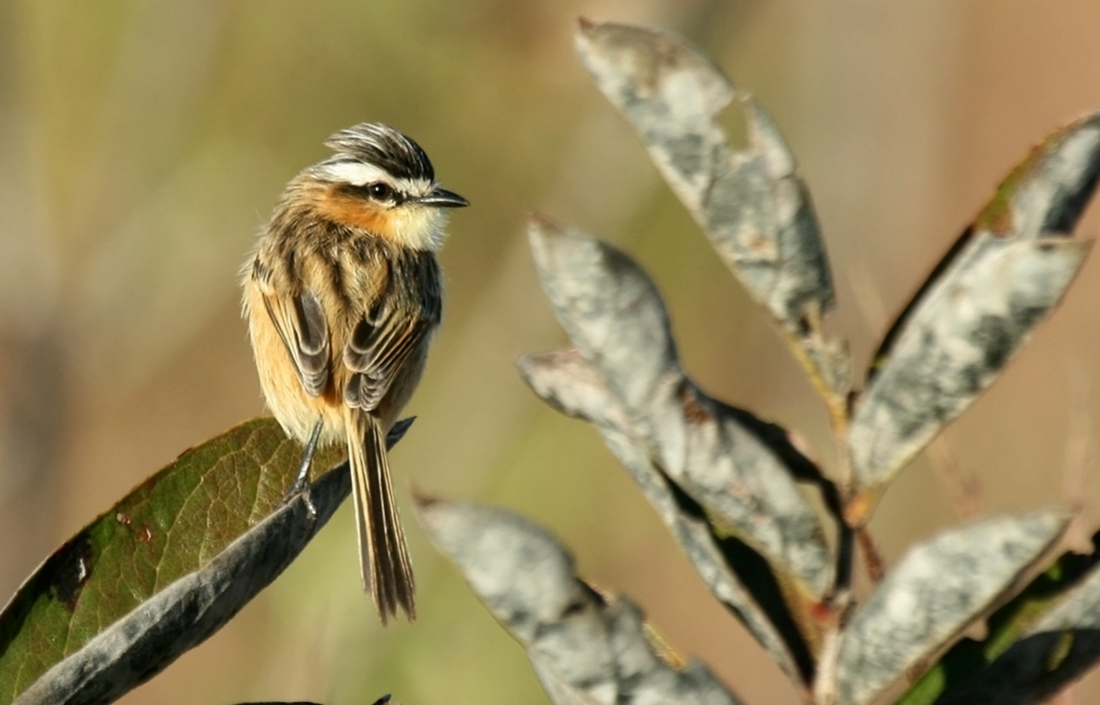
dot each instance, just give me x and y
(164, 568)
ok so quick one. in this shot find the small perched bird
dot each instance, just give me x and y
(342, 294)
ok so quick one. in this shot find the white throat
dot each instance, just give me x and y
(419, 227)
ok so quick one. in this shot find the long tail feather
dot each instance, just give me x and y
(383, 556)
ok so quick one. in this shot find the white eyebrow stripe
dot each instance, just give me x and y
(360, 174)
(356, 173)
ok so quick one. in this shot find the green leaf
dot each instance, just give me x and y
(177, 524)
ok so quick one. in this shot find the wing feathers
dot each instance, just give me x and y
(376, 354)
(312, 344)
(304, 333)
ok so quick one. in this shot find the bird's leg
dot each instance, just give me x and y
(302, 479)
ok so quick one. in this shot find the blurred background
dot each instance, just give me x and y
(143, 144)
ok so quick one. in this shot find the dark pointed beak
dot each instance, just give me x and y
(442, 198)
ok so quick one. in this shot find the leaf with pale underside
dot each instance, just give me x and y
(935, 591)
(753, 205)
(737, 576)
(1042, 639)
(164, 568)
(977, 308)
(719, 456)
(586, 649)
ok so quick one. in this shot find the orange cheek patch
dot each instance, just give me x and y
(348, 210)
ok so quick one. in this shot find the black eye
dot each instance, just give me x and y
(380, 191)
